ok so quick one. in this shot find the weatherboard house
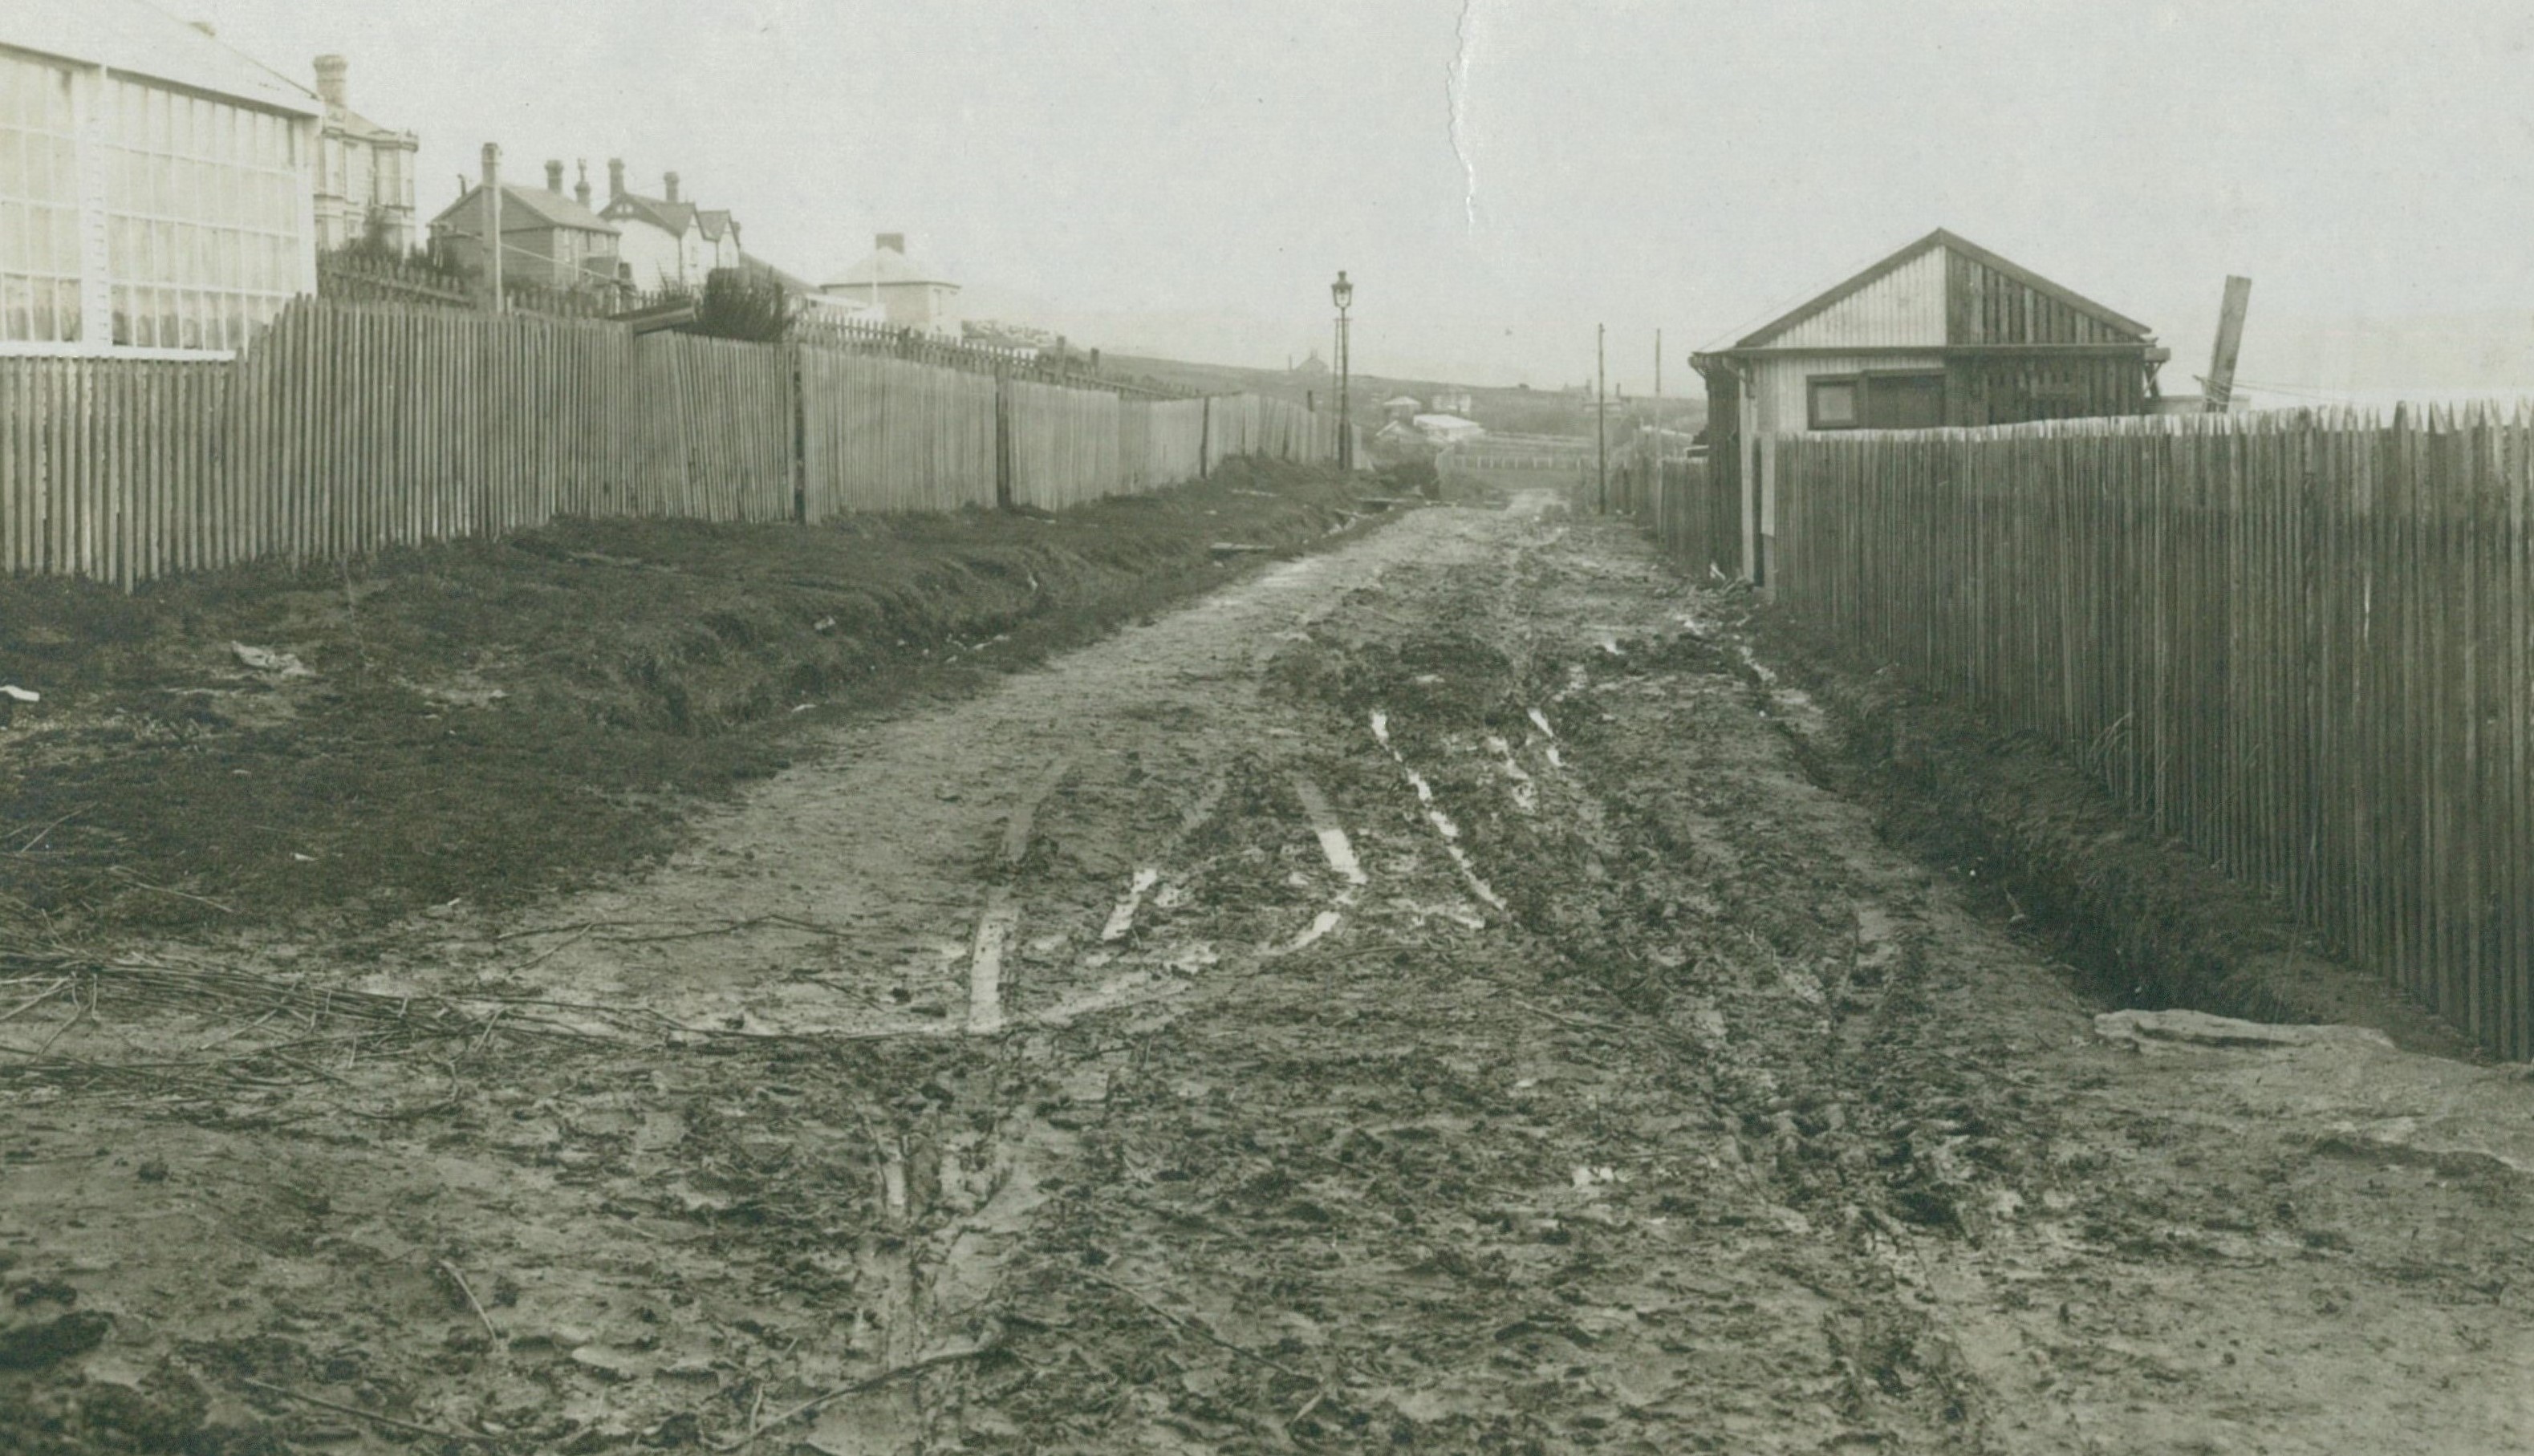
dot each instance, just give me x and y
(1942, 332)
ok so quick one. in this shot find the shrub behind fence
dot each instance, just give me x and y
(2304, 644)
(345, 429)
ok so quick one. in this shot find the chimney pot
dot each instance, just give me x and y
(331, 71)
(669, 180)
(581, 189)
(614, 178)
(892, 243)
(554, 178)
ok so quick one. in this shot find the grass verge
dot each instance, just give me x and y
(496, 719)
(2145, 921)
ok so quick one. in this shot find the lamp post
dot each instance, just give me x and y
(1341, 293)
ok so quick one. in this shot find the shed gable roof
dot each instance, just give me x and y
(1823, 303)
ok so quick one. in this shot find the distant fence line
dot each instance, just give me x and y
(2303, 643)
(345, 429)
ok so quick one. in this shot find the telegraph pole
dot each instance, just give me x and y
(1659, 406)
(1602, 414)
(493, 219)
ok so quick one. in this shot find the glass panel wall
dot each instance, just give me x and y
(39, 253)
(202, 216)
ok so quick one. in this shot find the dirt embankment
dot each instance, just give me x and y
(489, 720)
(2028, 832)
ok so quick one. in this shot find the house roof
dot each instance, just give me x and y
(1410, 400)
(140, 39)
(549, 210)
(1940, 238)
(352, 124)
(888, 266)
(1446, 421)
(669, 218)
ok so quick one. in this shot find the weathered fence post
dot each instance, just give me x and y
(1002, 440)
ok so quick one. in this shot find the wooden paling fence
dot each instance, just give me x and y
(2303, 643)
(887, 435)
(347, 428)
(1689, 510)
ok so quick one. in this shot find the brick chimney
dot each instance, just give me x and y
(581, 189)
(669, 181)
(614, 178)
(890, 242)
(554, 178)
(329, 80)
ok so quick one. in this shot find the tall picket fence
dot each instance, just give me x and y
(346, 428)
(2303, 643)
(1688, 509)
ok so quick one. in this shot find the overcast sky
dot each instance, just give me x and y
(1499, 177)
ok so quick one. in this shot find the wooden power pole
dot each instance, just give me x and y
(2230, 342)
(1601, 415)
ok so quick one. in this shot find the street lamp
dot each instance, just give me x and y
(1341, 293)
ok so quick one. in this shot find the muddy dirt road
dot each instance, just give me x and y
(1412, 997)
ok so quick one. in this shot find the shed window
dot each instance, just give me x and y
(1835, 403)
(1904, 401)
(1876, 401)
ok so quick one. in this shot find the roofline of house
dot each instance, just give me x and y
(312, 109)
(2151, 353)
(1940, 238)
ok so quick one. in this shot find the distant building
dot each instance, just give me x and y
(1941, 332)
(364, 171)
(806, 296)
(1448, 430)
(155, 186)
(668, 241)
(1401, 406)
(907, 293)
(1313, 367)
(548, 239)
(1451, 402)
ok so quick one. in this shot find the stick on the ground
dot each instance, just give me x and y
(854, 1388)
(468, 1290)
(47, 994)
(1584, 1022)
(1189, 1321)
(320, 1402)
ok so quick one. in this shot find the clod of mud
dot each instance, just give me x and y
(43, 1342)
(2149, 1029)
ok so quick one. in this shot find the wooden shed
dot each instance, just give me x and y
(1942, 332)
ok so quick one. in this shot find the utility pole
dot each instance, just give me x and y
(1659, 406)
(1602, 414)
(1341, 293)
(493, 219)
(2230, 342)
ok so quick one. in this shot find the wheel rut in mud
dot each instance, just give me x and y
(1414, 997)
